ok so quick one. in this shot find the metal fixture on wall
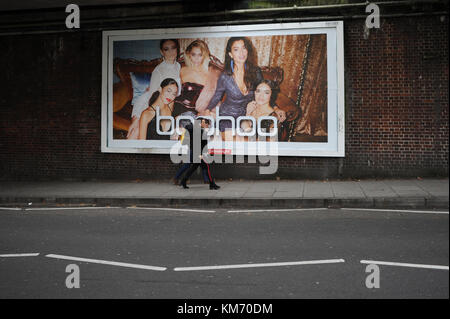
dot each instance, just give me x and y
(117, 19)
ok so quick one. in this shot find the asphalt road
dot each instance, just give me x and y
(173, 242)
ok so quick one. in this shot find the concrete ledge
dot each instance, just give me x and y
(390, 202)
(437, 202)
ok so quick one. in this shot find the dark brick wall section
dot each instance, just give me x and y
(396, 109)
(397, 97)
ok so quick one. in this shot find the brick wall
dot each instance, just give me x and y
(397, 97)
(396, 109)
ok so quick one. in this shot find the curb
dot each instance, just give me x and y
(378, 202)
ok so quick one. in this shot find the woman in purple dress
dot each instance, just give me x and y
(238, 82)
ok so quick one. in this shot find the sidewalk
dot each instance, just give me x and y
(387, 193)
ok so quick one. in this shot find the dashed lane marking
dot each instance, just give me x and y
(175, 209)
(397, 211)
(388, 263)
(20, 255)
(70, 208)
(278, 264)
(106, 262)
(276, 210)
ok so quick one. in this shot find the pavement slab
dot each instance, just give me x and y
(347, 190)
(434, 187)
(376, 189)
(318, 190)
(406, 188)
(286, 194)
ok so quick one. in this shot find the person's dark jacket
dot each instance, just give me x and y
(203, 141)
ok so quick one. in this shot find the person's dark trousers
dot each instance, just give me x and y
(186, 166)
(212, 184)
(181, 170)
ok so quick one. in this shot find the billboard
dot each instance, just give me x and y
(276, 88)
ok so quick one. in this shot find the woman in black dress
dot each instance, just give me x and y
(197, 82)
(162, 99)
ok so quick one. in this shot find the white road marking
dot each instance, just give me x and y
(68, 208)
(106, 262)
(398, 210)
(175, 209)
(387, 263)
(10, 208)
(279, 264)
(275, 210)
(20, 255)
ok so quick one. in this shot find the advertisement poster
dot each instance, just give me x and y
(276, 88)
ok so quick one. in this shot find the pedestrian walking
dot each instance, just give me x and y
(195, 141)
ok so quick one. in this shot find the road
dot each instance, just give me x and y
(222, 253)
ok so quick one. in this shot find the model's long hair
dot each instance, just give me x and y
(250, 72)
(164, 83)
(205, 51)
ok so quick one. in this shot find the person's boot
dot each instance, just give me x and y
(183, 183)
(213, 186)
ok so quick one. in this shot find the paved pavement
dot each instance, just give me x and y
(389, 193)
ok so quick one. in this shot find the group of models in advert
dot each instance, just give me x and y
(265, 88)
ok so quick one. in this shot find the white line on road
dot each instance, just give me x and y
(20, 255)
(388, 263)
(279, 264)
(275, 210)
(10, 208)
(106, 262)
(175, 209)
(397, 210)
(68, 208)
